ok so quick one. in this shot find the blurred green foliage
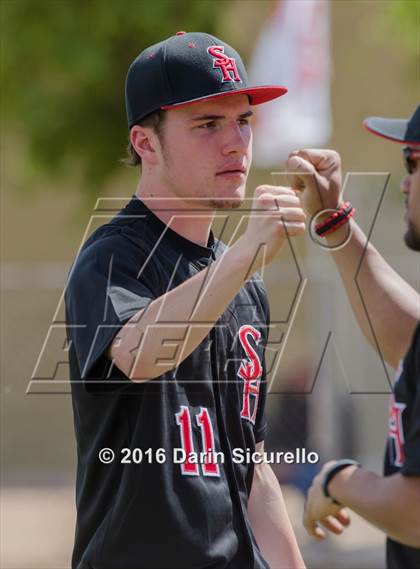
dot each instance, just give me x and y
(404, 20)
(63, 70)
(63, 67)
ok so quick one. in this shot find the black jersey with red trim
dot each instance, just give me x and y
(156, 513)
(403, 450)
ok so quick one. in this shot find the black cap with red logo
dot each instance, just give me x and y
(405, 131)
(188, 68)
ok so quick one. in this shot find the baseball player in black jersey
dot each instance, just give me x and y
(167, 328)
(392, 502)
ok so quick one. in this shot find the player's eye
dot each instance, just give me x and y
(208, 125)
(244, 121)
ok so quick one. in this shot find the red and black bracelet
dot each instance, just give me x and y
(336, 220)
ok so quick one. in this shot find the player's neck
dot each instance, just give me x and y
(181, 215)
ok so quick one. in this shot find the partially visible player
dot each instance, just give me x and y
(392, 502)
(167, 330)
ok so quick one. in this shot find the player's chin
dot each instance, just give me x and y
(229, 197)
(221, 203)
(228, 202)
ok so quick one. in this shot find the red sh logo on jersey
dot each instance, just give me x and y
(227, 65)
(396, 433)
(250, 371)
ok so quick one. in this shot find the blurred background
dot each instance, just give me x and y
(63, 133)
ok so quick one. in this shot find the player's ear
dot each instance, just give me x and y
(145, 143)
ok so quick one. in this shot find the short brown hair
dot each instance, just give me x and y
(155, 121)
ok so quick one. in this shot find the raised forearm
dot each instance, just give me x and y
(160, 337)
(270, 521)
(379, 297)
(392, 504)
(386, 307)
(185, 315)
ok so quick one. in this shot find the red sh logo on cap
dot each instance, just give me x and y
(226, 64)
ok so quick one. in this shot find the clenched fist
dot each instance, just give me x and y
(316, 173)
(276, 215)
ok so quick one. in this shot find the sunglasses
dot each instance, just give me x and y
(411, 155)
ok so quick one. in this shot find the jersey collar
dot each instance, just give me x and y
(192, 250)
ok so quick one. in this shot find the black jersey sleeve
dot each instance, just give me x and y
(411, 466)
(260, 427)
(109, 283)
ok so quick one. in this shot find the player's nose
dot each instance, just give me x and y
(236, 139)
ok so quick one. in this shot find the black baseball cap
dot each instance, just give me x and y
(405, 131)
(187, 68)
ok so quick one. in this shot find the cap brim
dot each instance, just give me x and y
(257, 95)
(391, 129)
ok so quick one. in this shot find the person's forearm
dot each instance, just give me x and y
(182, 318)
(378, 295)
(392, 503)
(270, 521)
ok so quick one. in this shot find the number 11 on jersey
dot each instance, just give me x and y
(206, 458)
